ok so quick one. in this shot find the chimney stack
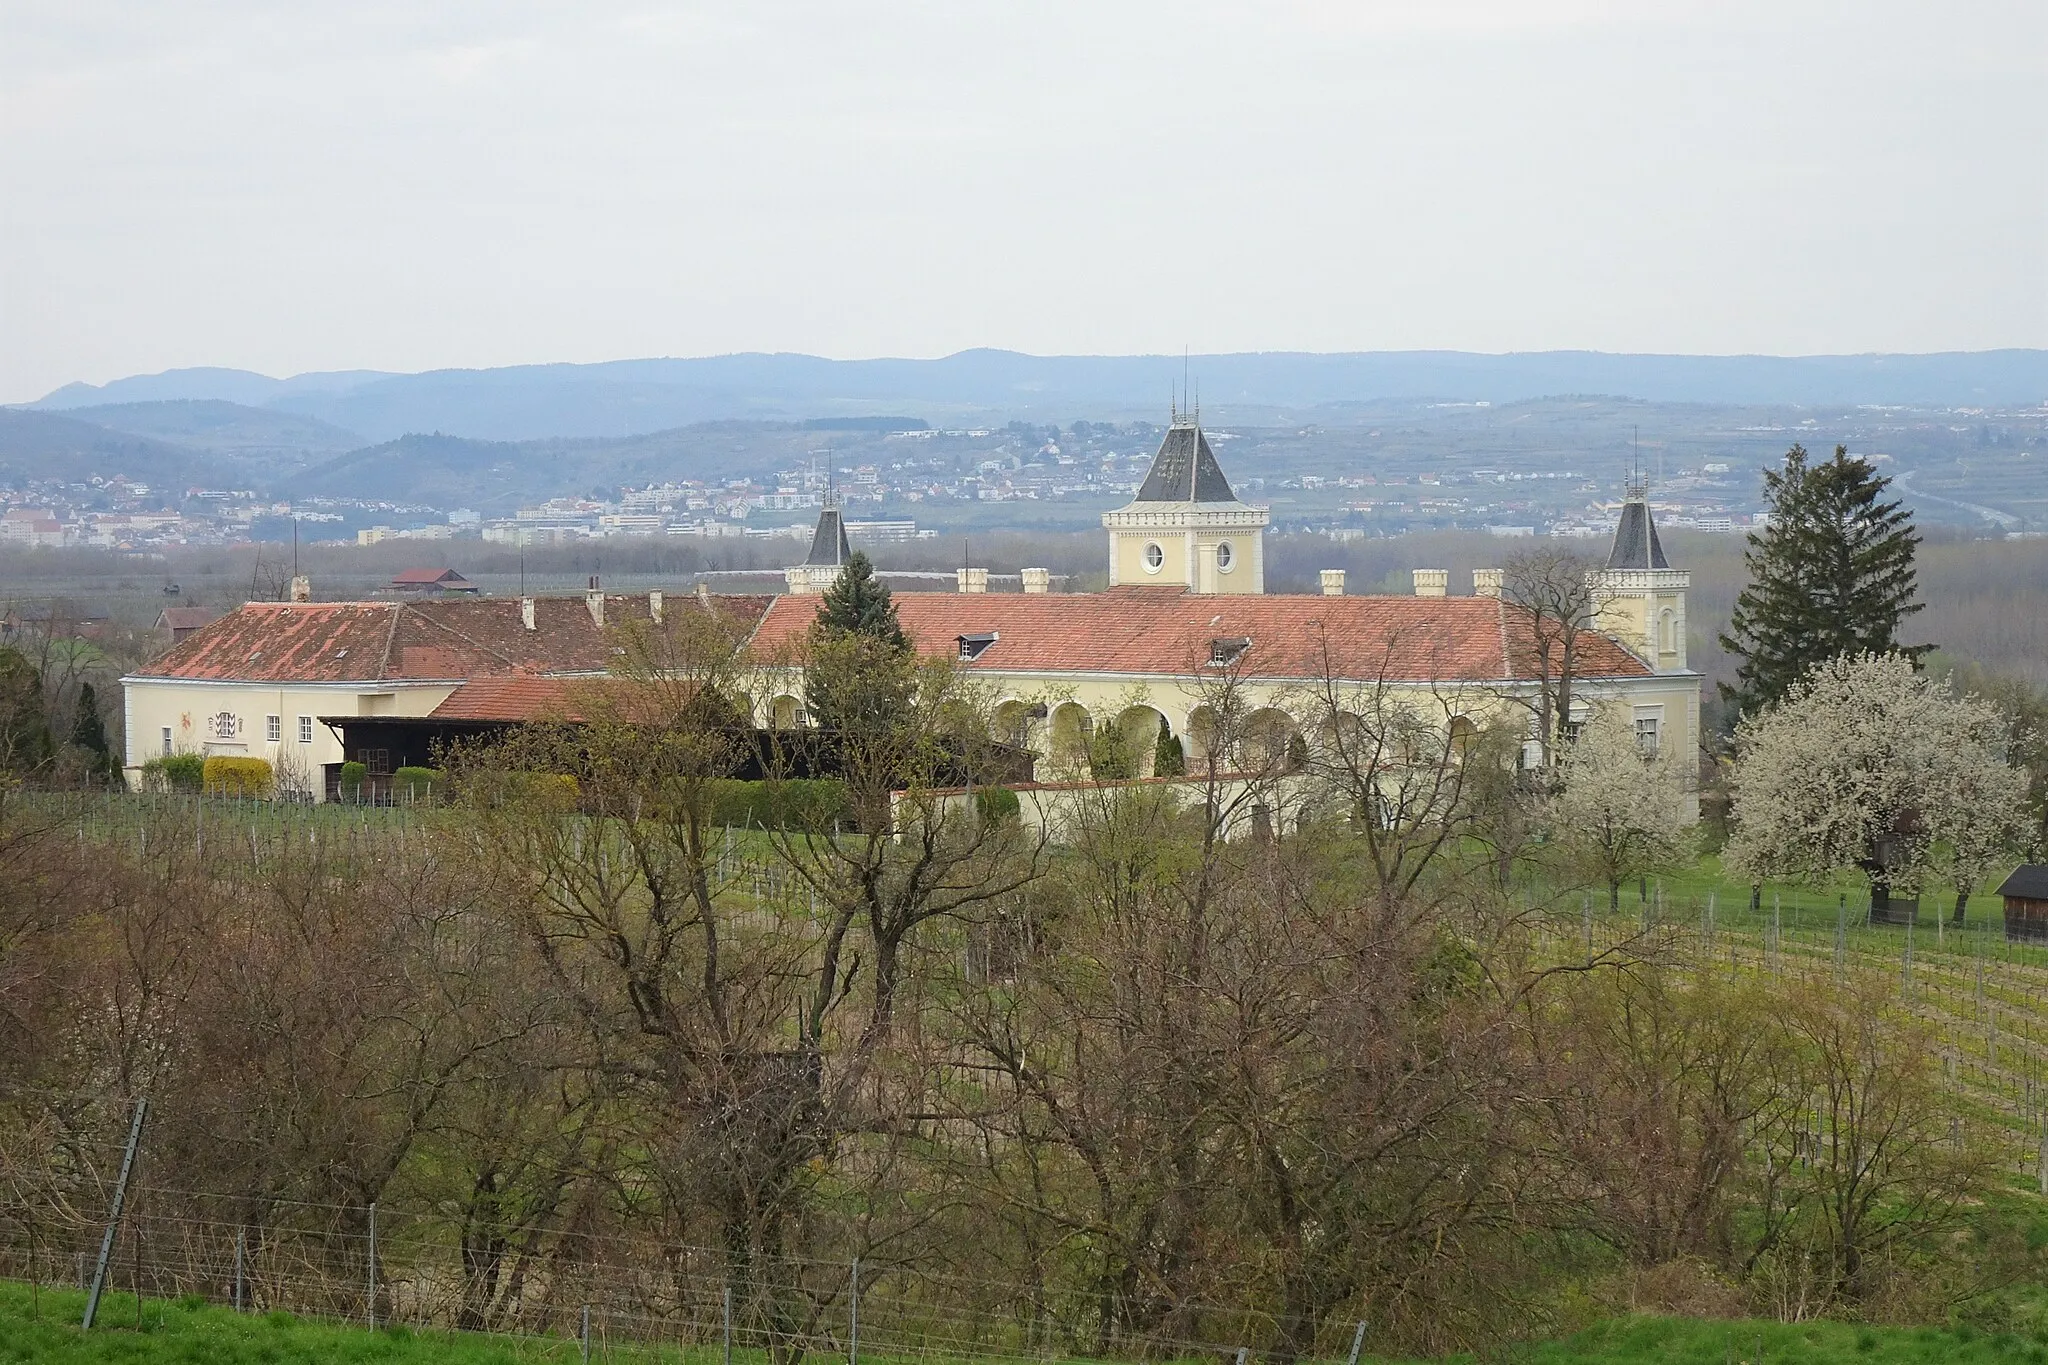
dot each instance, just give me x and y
(972, 580)
(1432, 582)
(1486, 582)
(654, 606)
(526, 612)
(1333, 582)
(302, 588)
(703, 594)
(1037, 580)
(593, 598)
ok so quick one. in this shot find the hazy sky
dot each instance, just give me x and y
(295, 186)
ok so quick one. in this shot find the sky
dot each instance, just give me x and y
(286, 187)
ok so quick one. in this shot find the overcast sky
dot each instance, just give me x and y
(287, 187)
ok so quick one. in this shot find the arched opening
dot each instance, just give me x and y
(1069, 731)
(1273, 742)
(1464, 735)
(1204, 733)
(744, 705)
(1138, 732)
(1667, 631)
(1019, 723)
(786, 713)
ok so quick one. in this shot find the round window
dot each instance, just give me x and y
(1154, 557)
(1225, 556)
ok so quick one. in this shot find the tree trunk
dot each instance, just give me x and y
(1962, 900)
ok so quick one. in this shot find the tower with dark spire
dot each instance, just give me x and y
(829, 552)
(1638, 597)
(1185, 528)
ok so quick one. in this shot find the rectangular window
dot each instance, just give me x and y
(1646, 735)
(167, 741)
(273, 728)
(305, 729)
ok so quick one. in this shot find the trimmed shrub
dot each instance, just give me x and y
(353, 776)
(225, 776)
(419, 785)
(799, 803)
(1169, 759)
(174, 773)
(995, 805)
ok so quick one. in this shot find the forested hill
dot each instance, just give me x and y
(634, 396)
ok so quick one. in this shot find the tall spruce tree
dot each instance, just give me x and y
(1831, 575)
(89, 733)
(862, 671)
(858, 603)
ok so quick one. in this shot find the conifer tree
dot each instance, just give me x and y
(860, 604)
(1831, 575)
(861, 670)
(89, 732)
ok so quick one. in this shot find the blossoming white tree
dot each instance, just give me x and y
(1620, 812)
(1869, 765)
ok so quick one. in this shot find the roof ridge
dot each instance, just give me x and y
(390, 638)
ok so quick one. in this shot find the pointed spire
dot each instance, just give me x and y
(1185, 468)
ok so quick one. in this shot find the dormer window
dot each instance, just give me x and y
(973, 646)
(1225, 652)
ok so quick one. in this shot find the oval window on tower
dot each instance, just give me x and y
(1225, 557)
(1154, 557)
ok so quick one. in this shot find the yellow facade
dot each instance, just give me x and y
(239, 719)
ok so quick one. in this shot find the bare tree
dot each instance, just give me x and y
(1551, 589)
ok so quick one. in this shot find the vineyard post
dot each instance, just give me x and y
(99, 1273)
(728, 1288)
(1358, 1339)
(1841, 935)
(853, 1317)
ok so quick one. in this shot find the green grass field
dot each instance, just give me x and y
(189, 1331)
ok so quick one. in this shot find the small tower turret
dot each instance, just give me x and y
(1638, 597)
(829, 553)
(1185, 528)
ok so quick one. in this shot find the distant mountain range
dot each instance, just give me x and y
(632, 397)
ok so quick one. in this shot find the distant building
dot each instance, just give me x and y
(2026, 902)
(431, 582)
(175, 623)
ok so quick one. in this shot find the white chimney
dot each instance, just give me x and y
(593, 598)
(1432, 582)
(526, 612)
(972, 580)
(302, 588)
(1486, 582)
(703, 594)
(1037, 580)
(654, 605)
(1333, 582)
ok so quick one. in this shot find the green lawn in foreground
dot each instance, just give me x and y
(202, 1335)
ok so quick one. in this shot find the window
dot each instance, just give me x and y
(1225, 557)
(1646, 735)
(273, 728)
(376, 761)
(167, 741)
(1225, 652)
(305, 729)
(1154, 557)
(224, 725)
(1667, 632)
(973, 645)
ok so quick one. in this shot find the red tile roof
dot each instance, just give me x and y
(425, 578)
(519, 697)
(434, 639)
(1150, 631)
